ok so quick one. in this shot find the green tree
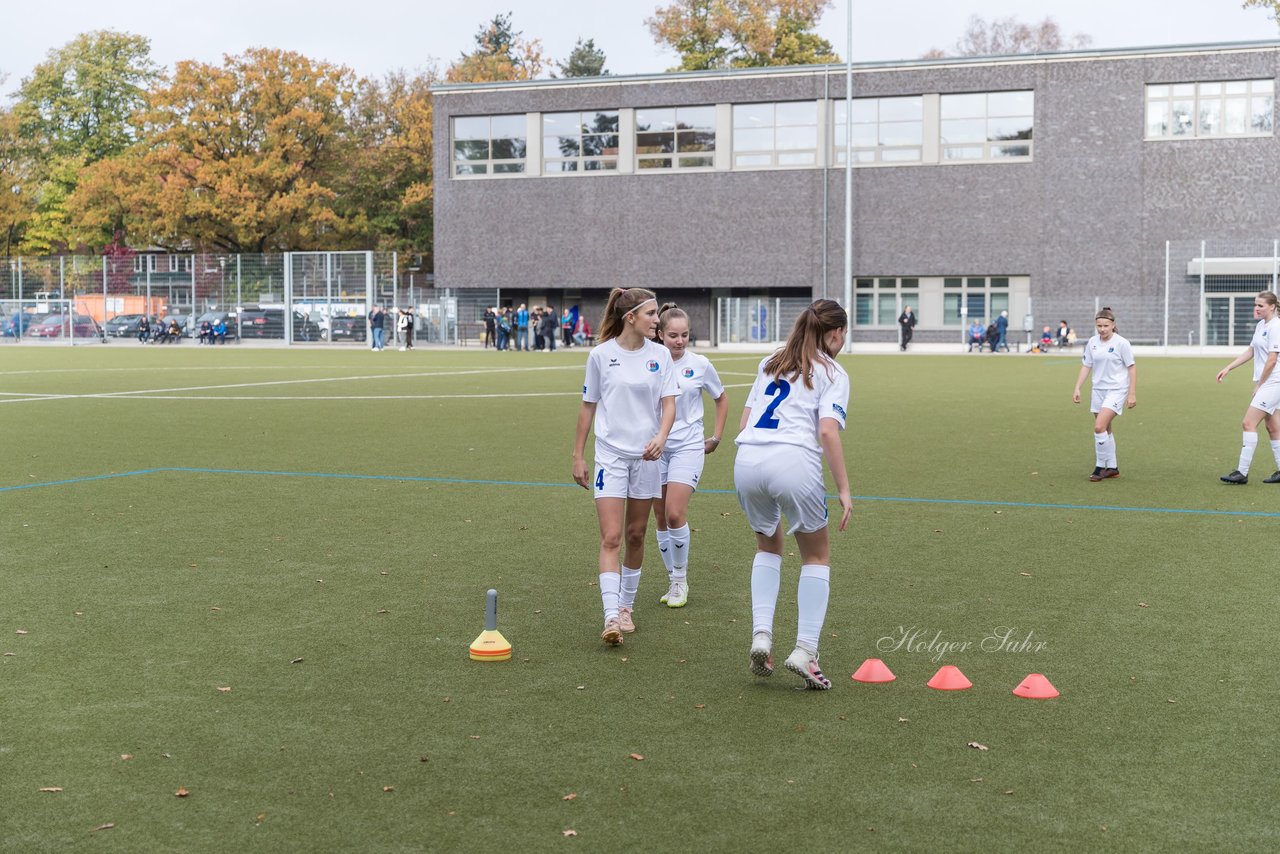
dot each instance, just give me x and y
(585, 60)
(710, 34)
(1273, 6)
(81, 101)
(15, 186)
(500, 54)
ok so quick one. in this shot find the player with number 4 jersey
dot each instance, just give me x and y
(793, 418)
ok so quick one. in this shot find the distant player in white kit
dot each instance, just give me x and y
(1266, 387)
(629, 399)
(793, 418)
(687, 447)
(1115, 388)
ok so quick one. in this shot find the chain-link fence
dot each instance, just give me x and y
(1211, 285)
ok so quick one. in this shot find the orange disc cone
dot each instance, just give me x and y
(1036, 687)
(873, 670)
(949, 678)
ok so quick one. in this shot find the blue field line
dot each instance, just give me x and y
(969, 502)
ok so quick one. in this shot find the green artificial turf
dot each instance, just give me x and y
(232, 550)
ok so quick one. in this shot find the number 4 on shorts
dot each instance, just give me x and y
(600, 479)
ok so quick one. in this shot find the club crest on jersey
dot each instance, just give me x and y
(838, 408)
(688, 373)
(652, 366)
(1111, 349)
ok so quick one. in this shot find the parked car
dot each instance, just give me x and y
(20, 322)
(122, 326)
(348, 329)
(269, 323)
(55, 326)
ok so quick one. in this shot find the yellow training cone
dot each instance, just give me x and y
(491, 645)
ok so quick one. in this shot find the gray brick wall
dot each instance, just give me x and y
(1087, 217)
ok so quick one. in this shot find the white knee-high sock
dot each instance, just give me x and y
(630, 584)
(1275, 452)
(679, 552)
(1100, 449)
(1112, 462)
(766, 576)
(1250, 443)
(664, 548)
(811, 598)
(609, 585)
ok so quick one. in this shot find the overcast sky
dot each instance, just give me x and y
(376, 36)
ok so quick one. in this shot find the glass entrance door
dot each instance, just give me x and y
(1229, 320)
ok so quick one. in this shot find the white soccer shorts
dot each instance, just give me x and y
(1112, 399)
(619, 477)
(683, 465)
(1267, 398)
(777, 480)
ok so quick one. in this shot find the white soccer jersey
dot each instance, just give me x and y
(1110, 361)
(1266, 340)
(627, 387)
(694, 374)
(786, 412)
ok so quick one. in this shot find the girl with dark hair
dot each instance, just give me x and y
(793, 417)
(687, 447)
(1115, 387)
(1262, 351)
(628, 399)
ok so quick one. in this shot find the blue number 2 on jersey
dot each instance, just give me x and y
(781, 388)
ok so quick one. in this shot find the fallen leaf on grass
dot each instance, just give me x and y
(976, 746)
(1171, 701)
(474, 737)
(1143, 605)
(908, 720)
(572, 796)
(384, 572)
(52, 789)
(700, 705)
(1025, 574)
(215, 609)
(182, 792)
(226, 690)
(570, 832)
(841, 718)
(383, 611)
(636, 756)
(106, 826)
(582, 687)
(21, 632)
(976, 780)
(9, 654)
(261, 818)
(296, 661)
(77, 613)
(445, 700)
(388, 788)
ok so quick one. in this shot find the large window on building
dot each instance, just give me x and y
(775, 135)
(879, 301)
(675, 138)
(489, 145)
(1220, 109)
(580, 142)
(986, 126)
(973, 298)
(885, 130)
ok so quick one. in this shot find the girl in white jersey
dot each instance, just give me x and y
(793, 417)
(1266, 387)
(629, 399)
(1115, 387)
(687, 447)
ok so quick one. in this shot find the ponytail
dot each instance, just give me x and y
(805, 345)
(669, 311)
(622, 301)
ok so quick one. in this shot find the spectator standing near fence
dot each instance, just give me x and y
(490, 327)
(377, 328)
(504, 328)
(628, 400)
(547, 328)
(793, 417)
(1263, 350)
(1002, 333)
(1115, 388)
(906, 323)
(566, 328)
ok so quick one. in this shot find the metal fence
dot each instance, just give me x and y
(1210, 287)
(756, 320)
(249, 293)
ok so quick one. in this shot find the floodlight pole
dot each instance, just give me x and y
(848, 177)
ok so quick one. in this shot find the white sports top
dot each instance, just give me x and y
(786, 412)
(694, 374)
(628, 387)
(1110, 361)
(1266, 340)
